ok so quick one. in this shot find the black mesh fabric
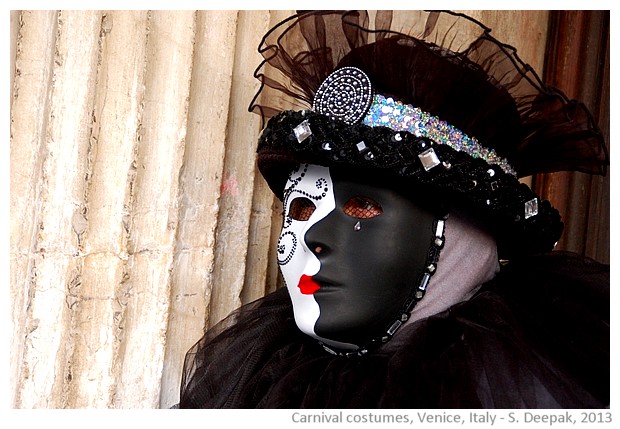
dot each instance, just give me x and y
(445, 63)
(537, 336)
(450, 66)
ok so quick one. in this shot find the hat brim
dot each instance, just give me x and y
(520, 221)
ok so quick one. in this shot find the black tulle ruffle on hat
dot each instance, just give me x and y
(447, 65)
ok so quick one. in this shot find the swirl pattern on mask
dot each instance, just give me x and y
(287, 243)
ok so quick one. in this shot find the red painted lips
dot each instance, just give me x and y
(307, 286)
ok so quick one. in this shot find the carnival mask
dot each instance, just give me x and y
(351, 251)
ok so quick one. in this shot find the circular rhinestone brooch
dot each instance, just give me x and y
(346, 94)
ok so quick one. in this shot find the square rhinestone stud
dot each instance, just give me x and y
(531, 208)
(429, 159)
(302, 131)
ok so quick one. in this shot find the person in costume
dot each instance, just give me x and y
(397, 157)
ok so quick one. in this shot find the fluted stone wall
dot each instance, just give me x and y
(137, 216)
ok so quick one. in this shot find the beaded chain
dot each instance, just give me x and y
(430, 267)
(349, 125)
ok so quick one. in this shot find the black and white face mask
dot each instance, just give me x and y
(351, 251)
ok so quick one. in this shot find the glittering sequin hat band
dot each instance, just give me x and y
(347, 95)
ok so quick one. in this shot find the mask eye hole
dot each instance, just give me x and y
(362, 208)
(301, 208)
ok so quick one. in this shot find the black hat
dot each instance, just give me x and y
(441, 105)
